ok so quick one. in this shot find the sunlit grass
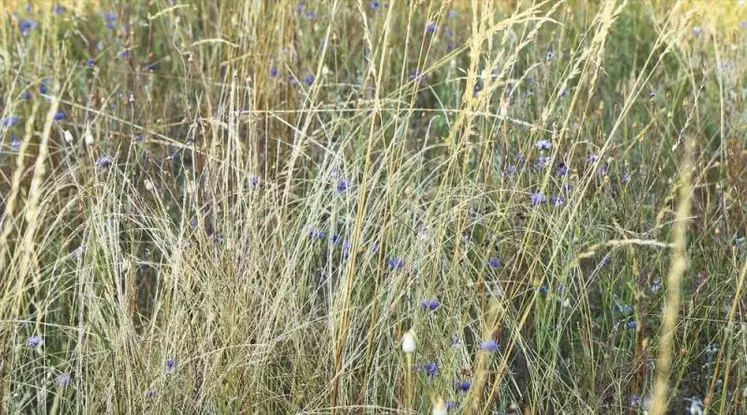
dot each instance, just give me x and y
(247, 208)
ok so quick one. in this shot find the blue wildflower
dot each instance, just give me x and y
(543, 290)
(463, 385)
(274, 72)
(63, 380)
(538, 198)
(563, 92)
(430, 28)
(374, 5)
(34, 342)
(375, 248)
(550, 55)
(44, 88)
(558, 201)
(656, 285)
(26, 95)
(635, 401)
(342, 186)
(489, 345)
(308, 80)
(26, 26)
(150, 394)
(310, 14)
(561, 170)
(125, 54)
(59, 116)
(104, 161)
(625, 308)
(593, 158)
(632, 324)
(431, 304)
(626, 177)
(606, 260)
(511, 171)
(8, 122)
(566, 188)
(395, 263)
(451, 406)
(336, 239)
(542, 162)
(543, 145)
(318, 235)
(495, 262)
(59, 9)
(151, 67)
(300, 8)
(254, 180)
(431, 369)
(170, 366)
(15, 144)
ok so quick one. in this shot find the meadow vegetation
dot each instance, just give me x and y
(343, 206)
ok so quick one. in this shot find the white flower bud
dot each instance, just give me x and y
(408, 342)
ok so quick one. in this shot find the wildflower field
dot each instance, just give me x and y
(370, 207)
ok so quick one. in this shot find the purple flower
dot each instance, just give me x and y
(449, 34)
(300, 8)
(489, 345)
(632, 324)
(538, 198)
(542, 162)
(511, 171)
(104, 161)
(451, 406)
(566, 188)
(625, 308)
(375, 248)
(543, 145)
(455, 341)
(593, 158)
(336, 239)
(91, 63)
(342, 186)
(254, 180)
(309, 80)
(274, 72)
(10, 121)
(450, 46)
(431, 28)
(606, 260)
(35, 342)
(151, 67)
(656, 285)
(635, 401)
(430, 304)
(543, 290)
(626, 177)
(558, 201)
(26, 95)
(59, 116)
(550, 55)
(463, 385)
(125, 54)
(150, 394)
(26, 26)
(318, 235)
(59, 9)
(62, 380)
(563, 92)
(561, 170)
(395, 263)
(495, 262)
(310, 14)
(170, 366)
(15, 144)
(431, 369)
(374, 5)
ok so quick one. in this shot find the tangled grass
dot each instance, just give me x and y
(244, 206)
